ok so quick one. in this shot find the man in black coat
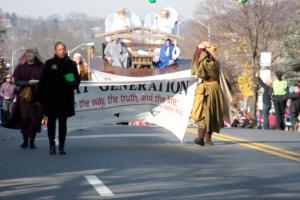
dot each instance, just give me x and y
(56, 93)
(267, 103)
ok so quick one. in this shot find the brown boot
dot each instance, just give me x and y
(200, 139)
(208, 140)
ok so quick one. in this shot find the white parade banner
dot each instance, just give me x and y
(164, 100)
(106, 77)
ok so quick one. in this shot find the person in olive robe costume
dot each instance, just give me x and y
(207, 111)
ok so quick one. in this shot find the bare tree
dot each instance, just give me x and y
(292, 49)
(249, 28)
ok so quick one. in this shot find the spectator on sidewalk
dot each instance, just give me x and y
(280, 92)
(297, 125)
(236, 121)
(1, 111)
(272, 120)
(294, 108)
(267, 102)
(259, 120)
(7, 94)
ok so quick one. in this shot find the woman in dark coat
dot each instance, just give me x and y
(27, 111)
(56, 92)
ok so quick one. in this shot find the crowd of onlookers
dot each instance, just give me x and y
(243, 119)
(281, 107)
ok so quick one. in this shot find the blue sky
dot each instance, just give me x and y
(94, 8)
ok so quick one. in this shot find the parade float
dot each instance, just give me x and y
(139, 91)
(143, 42)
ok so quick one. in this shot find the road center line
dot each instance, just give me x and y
(263, 145)
(257, 146)
(99, 186)
(251, 146)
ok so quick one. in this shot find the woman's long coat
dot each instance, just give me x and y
(27, 113)
(55, 92)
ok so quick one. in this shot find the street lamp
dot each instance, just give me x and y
(80, 45)
(207, 26)
(13, 55)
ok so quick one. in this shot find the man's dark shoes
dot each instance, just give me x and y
(199, 141)
(52, 150)
(32, 145)
(24, 145)
(62, 151)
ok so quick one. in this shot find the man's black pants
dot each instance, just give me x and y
(279, 105)
(62, 129)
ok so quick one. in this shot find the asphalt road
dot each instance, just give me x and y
(122, 162)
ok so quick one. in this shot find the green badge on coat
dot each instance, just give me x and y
(70, 77)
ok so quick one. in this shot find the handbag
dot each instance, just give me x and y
(26, 94)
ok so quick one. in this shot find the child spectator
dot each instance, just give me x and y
(272, 119)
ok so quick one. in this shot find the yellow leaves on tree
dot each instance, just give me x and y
(246, 84)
